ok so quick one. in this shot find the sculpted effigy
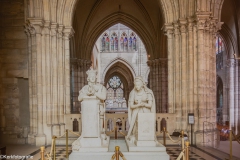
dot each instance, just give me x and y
(93, 88)
(92, 98)
(141, 100)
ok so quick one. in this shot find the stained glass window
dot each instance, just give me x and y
(219, 45)
(115, 92)
(132, 42)
(124, 42)
(114, 82)
(105, 42)
(219, 53)
(114, 42)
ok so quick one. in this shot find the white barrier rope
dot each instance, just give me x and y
(122, 133)
(74, 133)
(173, 140)
(61, 136)
(181, 155)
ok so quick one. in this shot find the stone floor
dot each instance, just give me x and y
(196, 153)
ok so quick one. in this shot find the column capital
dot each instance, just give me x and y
(168, 29)
(176, 29)
(201, 18)
(183, 25)
(191, 22)
(36, 24)
(46, 28)
(60, 31)
(68, 32)
(53, 29)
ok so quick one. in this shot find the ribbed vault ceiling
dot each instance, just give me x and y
(93, 17)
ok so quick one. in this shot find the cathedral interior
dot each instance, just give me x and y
(187, 52)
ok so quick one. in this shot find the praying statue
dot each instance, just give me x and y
(141, 100)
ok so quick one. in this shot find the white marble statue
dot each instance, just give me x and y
(93, 88)
(92, 96)
(141, 100)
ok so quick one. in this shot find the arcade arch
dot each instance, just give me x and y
(71, 27)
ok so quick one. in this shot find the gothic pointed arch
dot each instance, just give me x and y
(122, 71)
(115, 61)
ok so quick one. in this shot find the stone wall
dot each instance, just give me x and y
(14, 108)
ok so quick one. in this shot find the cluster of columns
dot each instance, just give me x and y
(192, 71)
(158, 79)
(233, 96)
(49, 78)
(79, 68)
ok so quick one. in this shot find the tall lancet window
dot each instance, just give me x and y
(219, 52)
(114, 42)
(133, 42)
(124, 42)
(105, 42)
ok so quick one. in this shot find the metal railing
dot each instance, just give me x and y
(117, 154)
(237, 138)
(52, 154)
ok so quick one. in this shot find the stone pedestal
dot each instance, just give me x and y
(91, 139)
(146, 141)
(146, 130)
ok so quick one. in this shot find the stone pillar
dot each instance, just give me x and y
(68, 31)
(201, 73)
(157, 86)
(32, 79)
(61, 76)
(190, 63)
(29, 35)
(184, 73)
(47, 63)
(177, 77)
(54, 80)
(39, 55)
(236, 99)
(169, 33)
(231, 64)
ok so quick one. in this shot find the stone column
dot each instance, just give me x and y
(37, 25)
(47, 63)
(236, 98)
(184, 72)
(231, 64)
(68, 31)
(190, 64)
(157, 85)
(149, 63)
(177, 77)
(61, 76)
(201, 73)
(164, 87)
(169, 33)
(29, 35)
(32, 79)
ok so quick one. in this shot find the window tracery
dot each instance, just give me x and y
(115, 93)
